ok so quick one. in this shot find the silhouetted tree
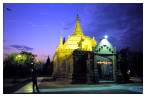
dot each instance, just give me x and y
(136, 64)
(18, 64)
(46, 67)
(51, 68)
(124, 64)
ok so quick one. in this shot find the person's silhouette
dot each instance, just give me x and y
(34, 80)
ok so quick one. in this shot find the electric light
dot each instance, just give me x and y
(105, 36)
(19, 56)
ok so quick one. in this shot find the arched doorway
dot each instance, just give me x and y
(104, 68)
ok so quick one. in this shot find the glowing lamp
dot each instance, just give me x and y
(19, 56)
(105, 36)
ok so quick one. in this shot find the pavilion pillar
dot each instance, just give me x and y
(114, 66)
(96, 75)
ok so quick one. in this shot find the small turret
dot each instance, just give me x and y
(61, 41)
(93, 38)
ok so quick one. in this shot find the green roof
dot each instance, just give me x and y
(104, 47)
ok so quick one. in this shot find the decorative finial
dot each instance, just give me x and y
(105, 36)
(93, 38)
(77, 17)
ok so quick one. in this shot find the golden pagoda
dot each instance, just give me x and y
(63, 57)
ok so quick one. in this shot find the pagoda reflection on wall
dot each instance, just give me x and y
(80, 59)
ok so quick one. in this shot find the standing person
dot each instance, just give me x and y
(34, 80)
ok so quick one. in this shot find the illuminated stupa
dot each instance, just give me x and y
(81, 60)
(63, 58)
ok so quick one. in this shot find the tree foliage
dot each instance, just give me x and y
(18, 64)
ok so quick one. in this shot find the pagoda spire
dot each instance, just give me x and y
(78, 29)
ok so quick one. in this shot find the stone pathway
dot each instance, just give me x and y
(84, 88)
(28, 87)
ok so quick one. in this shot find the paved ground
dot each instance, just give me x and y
(110, 88)
(10, 85)
(28, 87)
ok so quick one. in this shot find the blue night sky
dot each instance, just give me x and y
(38, 27)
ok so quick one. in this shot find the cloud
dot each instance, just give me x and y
(69, 25)
(122, 22)
(4, 40)
(6, 48)
(37, 25)
(22, 47)
(11, 20)
(40, 25)
(9, 9)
